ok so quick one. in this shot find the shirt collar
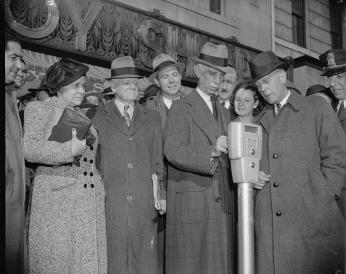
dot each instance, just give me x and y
(168, 102)
(284, 101)
(120, 105)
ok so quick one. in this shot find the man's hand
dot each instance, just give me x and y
(261, 180)
(78, 147)
(221, 146)
(162, 209)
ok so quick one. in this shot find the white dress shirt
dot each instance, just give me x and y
(282, 102)
(120, 105)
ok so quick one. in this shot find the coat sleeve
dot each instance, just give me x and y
(36, 148)
(332, 142)
(180, 149)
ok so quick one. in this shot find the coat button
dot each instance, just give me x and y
(275, 156)
(85, 173)
(336, 197)
(91, 161)
(218, 199)
(130, 165)
(85, 159)
(91, 174)
(131, 138)
(129, 198)
(92, 185)
(275, 184)
(91, 148)
(278, 213)
(85, 185)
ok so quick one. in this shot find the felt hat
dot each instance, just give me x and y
(162, 61)
(214, 56)
(265, 63)
(333, 61)
(63, 73)
(319, 89)
(124, 67)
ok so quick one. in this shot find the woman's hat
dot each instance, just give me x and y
(214, 56)
(162, 61)
(333, 61)
(124, 67)
(319, 89)
(265, 63)
(63, 73)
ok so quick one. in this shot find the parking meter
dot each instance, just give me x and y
(245, 150)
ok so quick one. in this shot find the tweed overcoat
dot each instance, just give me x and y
(342, 201)
(15, 188)
(199, 197)
(67, 228)
(129, 157)
(298, 225)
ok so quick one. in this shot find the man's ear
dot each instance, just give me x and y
(157, 82)
(255, 104)
(113, 87)
(196, 69)
(283, 76)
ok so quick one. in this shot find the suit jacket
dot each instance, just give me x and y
(199, 197)
(298, 224)
(129, 156)
(15, 188)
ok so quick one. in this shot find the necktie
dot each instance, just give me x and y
(126, 115)
(278, 109)
(213, 103)
(341, 107)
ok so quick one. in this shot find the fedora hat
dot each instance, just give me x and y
(319, 89)
(265, 63)
(162, 61)
(124, 67)
(214, 56)
(333, 61)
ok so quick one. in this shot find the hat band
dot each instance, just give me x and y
(164, 65)
(217, 61)
(124, 71)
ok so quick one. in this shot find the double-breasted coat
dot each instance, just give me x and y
(199, 227)
(67, 229)
(128, 158)
(15, 188)
(298, 225)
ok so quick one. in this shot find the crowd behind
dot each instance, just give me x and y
(134, 180)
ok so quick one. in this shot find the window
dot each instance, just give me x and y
(298, 22)
(335, 8)
(215, 6)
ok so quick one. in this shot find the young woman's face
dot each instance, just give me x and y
(244, 102)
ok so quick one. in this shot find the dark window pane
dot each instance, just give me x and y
(298, 22)
(336, 23)
(215, 6)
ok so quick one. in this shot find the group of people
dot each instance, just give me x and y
(148, 187)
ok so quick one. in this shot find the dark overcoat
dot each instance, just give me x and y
(15, 188)
(129, 157)
(199, 198)
(298, 224)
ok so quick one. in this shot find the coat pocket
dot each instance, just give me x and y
(191, 207)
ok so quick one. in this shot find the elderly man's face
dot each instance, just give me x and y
(226, 88)
(209, 79)
(337, 84)
(126, 89)
(13, 57)
(272, 88)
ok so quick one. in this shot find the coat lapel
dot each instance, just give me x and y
(202, 116)
(114, 116)
(266, 118)
(139, 118)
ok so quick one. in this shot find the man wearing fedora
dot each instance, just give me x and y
(131, 152)
(167, 76)
(226, 88)
(199, 228)
(298, 224)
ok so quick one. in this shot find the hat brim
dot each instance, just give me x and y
(180, 67)
(329, 71)
(208, 64)
(124, 76)
(282, 65)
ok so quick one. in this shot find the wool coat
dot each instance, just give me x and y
(15, 188)
(200, 209)
(342, 118)
(128, 158)
(298, 225)
(67, 228)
